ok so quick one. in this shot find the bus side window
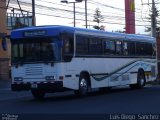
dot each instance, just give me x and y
(109, 47)
(140, 48)
(95, 46)
(82, 45)
(68, 46)
(148, 49)
(68, 49)
(129, 48)
(125, 49)
(118, 47)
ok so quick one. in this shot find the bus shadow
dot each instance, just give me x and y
(71, 96)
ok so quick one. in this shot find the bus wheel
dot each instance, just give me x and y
(38, 94)
(83, 86)
(141, 79)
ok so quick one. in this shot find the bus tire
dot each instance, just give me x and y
(83, 86)
(37, 94)
(141, 79)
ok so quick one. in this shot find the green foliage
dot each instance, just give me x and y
(98, 18)
(148, 29)
(96, 27)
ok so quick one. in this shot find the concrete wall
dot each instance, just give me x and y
(3, 16)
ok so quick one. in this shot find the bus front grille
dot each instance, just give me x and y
(32, 70)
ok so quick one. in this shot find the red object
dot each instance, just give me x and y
(130, 16)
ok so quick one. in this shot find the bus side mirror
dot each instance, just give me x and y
(4, 43)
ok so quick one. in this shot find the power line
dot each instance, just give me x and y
(80, 13)
(105, 22)
(58, 10)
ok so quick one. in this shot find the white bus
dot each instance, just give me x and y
(57, 58)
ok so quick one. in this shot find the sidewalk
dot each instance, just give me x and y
(5, 84)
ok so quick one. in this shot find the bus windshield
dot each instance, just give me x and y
(35, 50)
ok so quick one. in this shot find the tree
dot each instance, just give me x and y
(148, 29)
(98, 18)
(120, 31)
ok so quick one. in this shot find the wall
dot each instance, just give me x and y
(4, 55)
(2, 16)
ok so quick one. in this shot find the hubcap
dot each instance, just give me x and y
(83, 84)
(141, 80)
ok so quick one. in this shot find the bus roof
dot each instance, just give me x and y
(54, 30)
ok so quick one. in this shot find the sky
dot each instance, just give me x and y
(112, 10)
(112, 15)
(104, 10)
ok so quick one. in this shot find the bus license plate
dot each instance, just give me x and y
(34, 85)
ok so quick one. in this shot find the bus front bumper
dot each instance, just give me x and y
(48, 87)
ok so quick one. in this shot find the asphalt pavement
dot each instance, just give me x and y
(120, 102)
(7, 94)
(5, 84)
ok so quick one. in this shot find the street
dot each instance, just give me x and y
(118, 100)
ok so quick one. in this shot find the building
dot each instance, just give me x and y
(4, 55)
(10, 19)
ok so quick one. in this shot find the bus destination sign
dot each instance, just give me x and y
(35, 33)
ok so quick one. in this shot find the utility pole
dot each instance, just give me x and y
(74, 10)
(33, 13)
(154, 34)
(86, 13)
(153, 19)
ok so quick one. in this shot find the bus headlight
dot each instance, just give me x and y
(18, 79)
(50, 78)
